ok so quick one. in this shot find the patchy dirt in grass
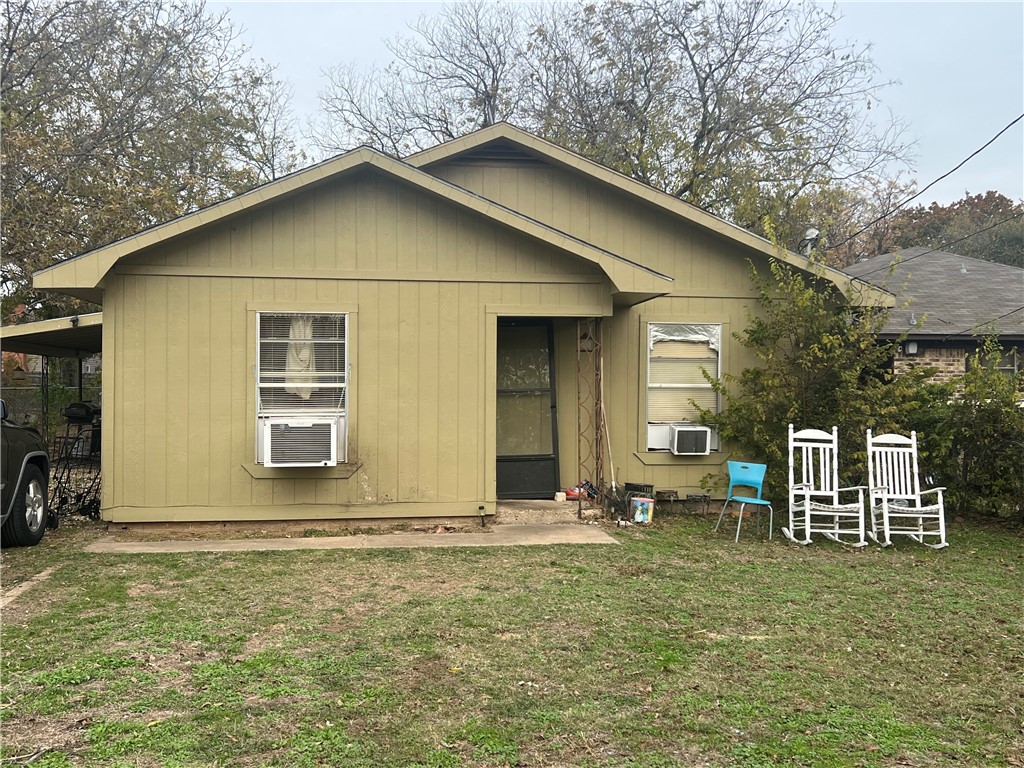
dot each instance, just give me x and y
(30, 737)
(270, 639)
(719, 636)
(670, 650)
(144, 590)
(275, 529)
(13, 593)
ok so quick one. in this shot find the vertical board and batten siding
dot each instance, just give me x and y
(711, 284)
(418, 275)
(700, 263)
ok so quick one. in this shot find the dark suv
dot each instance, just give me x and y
(25, 475)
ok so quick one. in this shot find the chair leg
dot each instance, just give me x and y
(940, 532)
(771, 521)
(880, 522)
(805, 520)
(873, 533)
(721, 515)
(739, 522)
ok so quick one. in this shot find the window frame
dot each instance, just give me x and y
(340, 412)
(649, 427)
(1010, 362)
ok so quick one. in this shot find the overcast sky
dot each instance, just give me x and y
(960, 65)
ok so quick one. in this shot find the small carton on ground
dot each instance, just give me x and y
(641, 510)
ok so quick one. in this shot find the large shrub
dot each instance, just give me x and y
(984, 470)
(820, 363)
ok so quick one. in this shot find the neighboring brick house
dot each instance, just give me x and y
(946, 304)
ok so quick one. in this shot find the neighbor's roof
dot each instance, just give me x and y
(506, 133)
(77, 336)
(950, 295)
(81, 276)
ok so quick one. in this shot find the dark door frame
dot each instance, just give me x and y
(531, 466)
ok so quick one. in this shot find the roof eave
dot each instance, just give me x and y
(83, 275)
(86, 270)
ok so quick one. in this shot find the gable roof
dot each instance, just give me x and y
(81, 276)
(956, 295)
(504, 134)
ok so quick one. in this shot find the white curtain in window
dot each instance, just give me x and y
(300, 363)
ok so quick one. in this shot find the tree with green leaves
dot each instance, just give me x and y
(819, 363)
(119, 114)
(989, 227)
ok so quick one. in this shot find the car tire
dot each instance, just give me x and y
(27, 522)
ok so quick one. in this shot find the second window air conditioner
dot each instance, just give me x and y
(690, 441)
(290, 441)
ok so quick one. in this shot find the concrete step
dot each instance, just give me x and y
(543, 511)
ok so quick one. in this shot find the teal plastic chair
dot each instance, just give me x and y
(743, 474)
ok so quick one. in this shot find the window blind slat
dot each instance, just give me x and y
(666, 404)
(669, 371)
(681, 350)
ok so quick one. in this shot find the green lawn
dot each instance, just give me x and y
(677, 648)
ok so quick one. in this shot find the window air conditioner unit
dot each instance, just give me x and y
(290, 441)
(690, 441)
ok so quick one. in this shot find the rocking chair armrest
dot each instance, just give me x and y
(934, 490)
(848, 491)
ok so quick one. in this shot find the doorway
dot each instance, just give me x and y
(527, 437)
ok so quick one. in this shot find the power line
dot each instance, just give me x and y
(979, 325)
(962, 163)
(942, 246)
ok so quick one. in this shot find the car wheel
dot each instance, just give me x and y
(27, 521)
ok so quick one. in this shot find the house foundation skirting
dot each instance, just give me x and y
(455, 509)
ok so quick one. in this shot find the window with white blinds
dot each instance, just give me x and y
(678, 355)
(301, 364)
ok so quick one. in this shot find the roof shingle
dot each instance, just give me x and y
(955, 295)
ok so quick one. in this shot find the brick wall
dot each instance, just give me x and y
(949, 362)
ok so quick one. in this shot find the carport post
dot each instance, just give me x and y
(45, 388)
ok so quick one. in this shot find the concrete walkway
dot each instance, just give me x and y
(495, 536)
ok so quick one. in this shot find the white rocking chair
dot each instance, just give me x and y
(895, 492)
(814, 492)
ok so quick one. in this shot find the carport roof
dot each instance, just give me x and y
(77, 336)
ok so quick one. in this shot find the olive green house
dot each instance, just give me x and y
(493, 318)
